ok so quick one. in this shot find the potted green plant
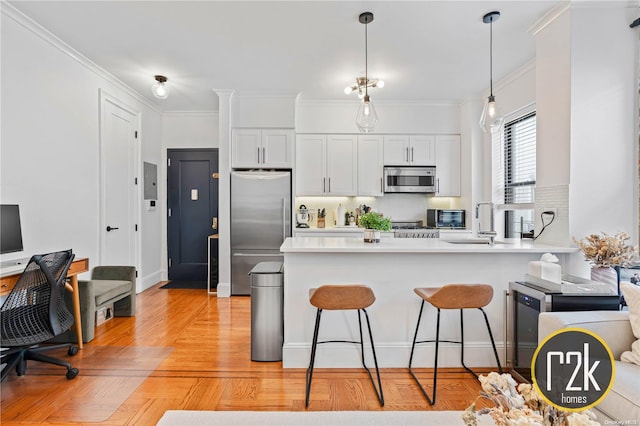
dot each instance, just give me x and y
(373, 224)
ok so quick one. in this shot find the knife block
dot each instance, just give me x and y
(321, 222)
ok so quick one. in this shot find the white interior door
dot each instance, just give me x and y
(119, 207)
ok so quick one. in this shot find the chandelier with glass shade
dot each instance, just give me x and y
(366, 117)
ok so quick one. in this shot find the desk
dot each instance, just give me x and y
(78, 266)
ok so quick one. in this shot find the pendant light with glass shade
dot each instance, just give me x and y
(367, 117)
(491, 119)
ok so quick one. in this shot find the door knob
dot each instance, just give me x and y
(110, 228)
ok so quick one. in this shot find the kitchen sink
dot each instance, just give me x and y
(472, 241)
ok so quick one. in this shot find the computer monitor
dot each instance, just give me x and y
(10, 230)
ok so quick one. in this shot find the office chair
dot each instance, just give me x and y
(35, 312)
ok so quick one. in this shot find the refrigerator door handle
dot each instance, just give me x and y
(284, 220)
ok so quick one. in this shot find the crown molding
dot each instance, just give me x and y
(549, 17)
(286, 94)
(351, 102)
(29, 24)
(191, 113)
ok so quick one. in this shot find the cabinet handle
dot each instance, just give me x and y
(437, 185)
(412, 154)
(407, 151)
(381, 188)
(324, 184)
(258, 155)
(329, 184)
(264, 155)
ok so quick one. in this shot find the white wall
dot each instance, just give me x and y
(182, 130)
(474, 154)
(603, 167)
(587, 128)
(394, 117)
(553, 100)
(263, 110)
(190, 129)
(49, 161)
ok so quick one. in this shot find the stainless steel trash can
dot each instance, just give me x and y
(266, 282)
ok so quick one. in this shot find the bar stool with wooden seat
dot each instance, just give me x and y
(343, 297)
(452, 296)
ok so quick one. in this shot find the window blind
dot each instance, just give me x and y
(519, 149)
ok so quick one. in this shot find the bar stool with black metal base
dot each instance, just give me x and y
(343, 297)
(452, 296)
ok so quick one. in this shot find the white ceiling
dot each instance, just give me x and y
(424, 50)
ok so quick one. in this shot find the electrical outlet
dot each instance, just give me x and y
(551, 209)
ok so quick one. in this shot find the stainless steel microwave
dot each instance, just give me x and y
(410, 179)
(446, 219)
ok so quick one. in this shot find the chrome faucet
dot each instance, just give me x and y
(491, 233)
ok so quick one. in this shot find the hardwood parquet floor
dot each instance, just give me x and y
(187, 350)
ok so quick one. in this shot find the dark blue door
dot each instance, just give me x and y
(192, 201)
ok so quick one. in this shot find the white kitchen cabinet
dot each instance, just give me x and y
(370, 165)
(262, 148)
(447, 154)
(326, 165)
(416, 150)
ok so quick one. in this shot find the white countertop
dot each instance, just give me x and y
(332, 229)
(413, 245)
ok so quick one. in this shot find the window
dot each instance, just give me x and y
(520, 160)
(519, 174)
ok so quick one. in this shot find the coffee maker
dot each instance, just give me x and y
(303, 217)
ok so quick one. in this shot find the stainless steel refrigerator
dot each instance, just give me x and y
(260, 222)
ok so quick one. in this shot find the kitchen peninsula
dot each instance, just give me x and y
(393, 269)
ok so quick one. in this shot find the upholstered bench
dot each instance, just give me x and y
(108, 285)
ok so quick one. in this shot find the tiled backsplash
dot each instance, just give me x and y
(553, 197)
(400, 207)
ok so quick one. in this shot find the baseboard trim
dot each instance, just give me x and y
(391, 355)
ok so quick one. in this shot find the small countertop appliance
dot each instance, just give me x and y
(303, 217)
(446, 218)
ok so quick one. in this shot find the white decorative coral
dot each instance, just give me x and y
(521, 405)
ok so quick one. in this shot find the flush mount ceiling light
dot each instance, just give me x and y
(159, 88)
(366, 118)
(361, 84)
(491, 120)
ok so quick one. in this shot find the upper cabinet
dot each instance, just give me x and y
(326, 165)
(402, 150)
(370, 165)
(353, 165)
(447, 153)
(262, 148)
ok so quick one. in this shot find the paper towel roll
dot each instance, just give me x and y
(340, 216)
